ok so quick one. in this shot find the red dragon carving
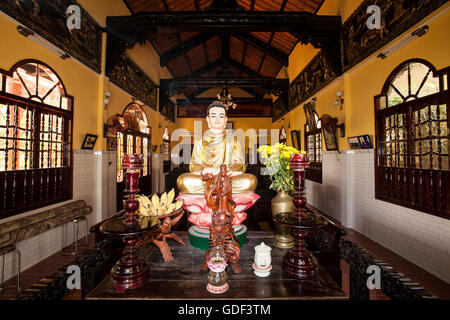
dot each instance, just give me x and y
(218, 194)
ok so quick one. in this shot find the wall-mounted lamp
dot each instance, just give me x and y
(339, 100)
(106, 100)
(404, 41)
(27, 33)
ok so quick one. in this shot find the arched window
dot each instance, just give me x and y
(134, 138)
(412, 138)
(35, 138)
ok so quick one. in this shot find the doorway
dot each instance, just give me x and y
(135, 138)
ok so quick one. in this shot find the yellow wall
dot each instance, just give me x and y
(87, 87)
(364, 81)
(80, 82)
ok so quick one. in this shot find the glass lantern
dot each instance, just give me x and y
(217, 277)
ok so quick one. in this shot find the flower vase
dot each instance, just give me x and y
(282, 202)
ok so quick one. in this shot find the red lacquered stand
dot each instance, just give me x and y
(131, 271)
(298, 261)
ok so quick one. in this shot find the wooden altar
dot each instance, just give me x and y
(184, 279)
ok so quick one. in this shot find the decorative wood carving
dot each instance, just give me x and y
(128, 76)
(218, 192)
(48, 19)
(280, 107)
(166, 106)
(315, 76)
(359, 42)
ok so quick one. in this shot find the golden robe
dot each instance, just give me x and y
(212, 151)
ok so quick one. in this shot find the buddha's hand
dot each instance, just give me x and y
(214, 171)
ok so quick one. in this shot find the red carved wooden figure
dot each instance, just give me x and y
(218, 193)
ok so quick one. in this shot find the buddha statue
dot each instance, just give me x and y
(214, 149)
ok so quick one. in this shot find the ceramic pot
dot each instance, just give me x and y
(282, 202)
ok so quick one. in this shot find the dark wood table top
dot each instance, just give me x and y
(184, 279)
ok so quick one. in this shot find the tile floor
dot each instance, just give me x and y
(431, 283)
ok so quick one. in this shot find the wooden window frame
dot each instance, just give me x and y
(314, 172)
(35, 187)
(423, 189)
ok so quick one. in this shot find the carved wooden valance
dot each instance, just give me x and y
(128, 76)
(315, 76)
(166, 106)
(49, 20)
(359, 41)
(280, 107)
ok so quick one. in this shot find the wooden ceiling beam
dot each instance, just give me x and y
(197, 73)
(183, 102)
(184, 47)
(270, 85)
(145, 23)
(252, 92)
(244, 68)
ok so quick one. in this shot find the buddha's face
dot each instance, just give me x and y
(217, 120)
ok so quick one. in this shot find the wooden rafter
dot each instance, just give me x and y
(263, 46)
(184, 47)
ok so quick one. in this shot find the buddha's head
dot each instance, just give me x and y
(216, 117)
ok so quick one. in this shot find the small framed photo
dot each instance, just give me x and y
(296, 142)
(354, 143)
(111, 144)
(89, 141)
(282, 137)
(365, 142)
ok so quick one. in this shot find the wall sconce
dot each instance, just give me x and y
(106, 100)
(403, 42)
(339, 100)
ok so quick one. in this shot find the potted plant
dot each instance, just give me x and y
(276, 159)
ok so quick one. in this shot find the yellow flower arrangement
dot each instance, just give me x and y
(276, 159)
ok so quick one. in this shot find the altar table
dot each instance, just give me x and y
(184, 279)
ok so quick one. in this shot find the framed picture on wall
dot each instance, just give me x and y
(296, 142)
(89, 141)
(329, 132)
(282, 137)
(354, 143)
(365, 142)
(310, 113)
(111, 144)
